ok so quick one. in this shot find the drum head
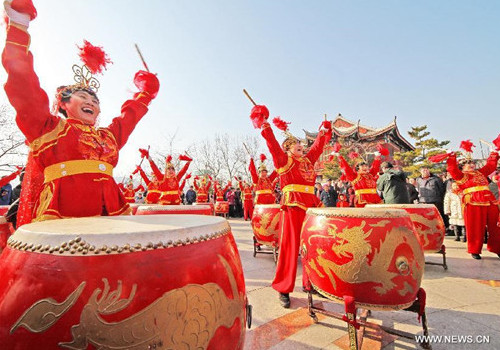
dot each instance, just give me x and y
(116, 234)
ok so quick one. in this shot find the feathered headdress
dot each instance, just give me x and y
(289, 138)
(94, 61)
(467, 146)
(381, 148)
(185, 158)
(496, 142)
(168, 162)
(262, 166)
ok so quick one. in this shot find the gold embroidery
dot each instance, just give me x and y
(50, 138)
(284, 169)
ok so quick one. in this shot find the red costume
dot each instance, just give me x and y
(480, 210)
(129, 191)
(246, 193)
(297, 178)
(263, 186)
(169, 184)
(219, 192)
(6, 179)
(154, 193)
(77, 159)
(202, 190)
(364, 184)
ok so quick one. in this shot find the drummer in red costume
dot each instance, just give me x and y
(202, 189)
(76, 157)
(168, 183)
(153, 195)
(247, 194)
(363, 178)
(6, 179)
(219, 192)
(480, 210)
(129, 190)
(297, 178)
(263, 184)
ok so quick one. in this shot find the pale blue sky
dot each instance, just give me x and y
(428, 62)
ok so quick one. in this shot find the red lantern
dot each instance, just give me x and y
(123, 282)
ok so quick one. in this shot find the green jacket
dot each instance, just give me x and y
(392, 187)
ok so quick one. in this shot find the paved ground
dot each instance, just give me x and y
(462, 301)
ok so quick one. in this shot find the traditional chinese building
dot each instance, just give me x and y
(361, 139)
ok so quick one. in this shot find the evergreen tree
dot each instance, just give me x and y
(425, 146)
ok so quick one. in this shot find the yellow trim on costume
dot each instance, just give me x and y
(285, 168)
(365, 191)
(298, 188)
(75, 167)
(475, 189)
(263, 192)
(154, 191)
(170, 192)
(50, 138)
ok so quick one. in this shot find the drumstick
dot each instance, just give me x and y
(246, 148)
(248, 96)
(144, 157)
(141, 57)
(487, 143)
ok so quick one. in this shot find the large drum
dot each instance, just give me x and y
(266, 224)
(134, 207)
(123, 282)
(222, 207)
(372, 255)
(206, 203)
(173, 209)
(428, 223)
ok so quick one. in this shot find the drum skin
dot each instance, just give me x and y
(266, 224)
(173, 209)
(126, 282)
(372, 255)
(222, 207)
(429, 224)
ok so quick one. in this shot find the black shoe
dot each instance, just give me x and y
(285, 300)
(464, 240)
(498, 255)
(476, 256)
(457, 239)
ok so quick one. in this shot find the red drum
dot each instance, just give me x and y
(123, 282)
(134, 207)
(428, 223)
(207, 203)
(371, 255)
(266, 224)
(222, 207)
(173, 209)
(3, 209)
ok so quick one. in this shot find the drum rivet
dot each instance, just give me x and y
(120, 250)
(155, 246)
(38, 247)
(96, 251)
(51, 250)
(56, 247)
(64, 244)
(144, 248)
(138, 246)
(61, 250)
(92, 248)
(131, 249)
(47, 247)
(78, 239)
(71, 242)
(72, 251)
(108, 251)
(170, 242)
(80, 249)
(104, 247)
(85, 251)
(67, 248)
(149, 245)
(23, 245)
(126, 246)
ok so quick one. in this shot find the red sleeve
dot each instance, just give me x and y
(375, 167)
(273, 176)
(183, 171)
(253, 171)
(195, 184)
(156, 171)
(491, 164)
(226, 188)
(121, 186)
(139, 188)
(317, 148)
(240, 183)
(5, 180)
(183, 183)
(280, 158)
(208, 186)
(23, 87)
(452, 168)
(350, 174)
(144, 177)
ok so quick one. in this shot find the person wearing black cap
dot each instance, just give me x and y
(392, 185)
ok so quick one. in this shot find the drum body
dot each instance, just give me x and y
(221, 207)
(266, 224)
(134, 207)
(210, 204)
(173, 209)
(429, 224)
(124, 282)
(372, 255)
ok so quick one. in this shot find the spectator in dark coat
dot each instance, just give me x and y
(190, 195)
(412, 191)
(392, 185)
(431, 190)
(326, 196)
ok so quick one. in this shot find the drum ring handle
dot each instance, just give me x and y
(403, 266)
(303, 251)
(249, 315)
